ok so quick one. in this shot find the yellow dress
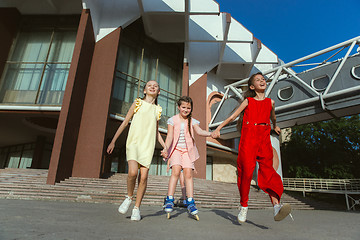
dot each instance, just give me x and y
(140, 143)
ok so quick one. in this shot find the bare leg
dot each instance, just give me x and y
(175, 173)
(274, 200)
(188, 174)
(182, 185)
(131, 179)
(142, 185)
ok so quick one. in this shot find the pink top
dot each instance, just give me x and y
(190, 144)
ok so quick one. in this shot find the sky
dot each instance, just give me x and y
(295, 28)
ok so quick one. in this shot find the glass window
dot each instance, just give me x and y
(355, 72)
(114, 166)
(38, 65)
(209, 168)
(320, 83)
(285, 93)
(158, 165)
(26, 159)
(14, 159)
(141, 59)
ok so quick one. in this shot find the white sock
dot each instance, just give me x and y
(171, 197)
(190, 199)
(135, 207)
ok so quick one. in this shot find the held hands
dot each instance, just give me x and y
(110, 148)
(215, 134)
(164, 153)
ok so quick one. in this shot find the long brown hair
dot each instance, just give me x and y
(248, 93)
(187, 100)
(156, 99)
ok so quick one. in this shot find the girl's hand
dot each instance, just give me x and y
(110, 148)
(164, 153)
(277, 130)
(215, 134)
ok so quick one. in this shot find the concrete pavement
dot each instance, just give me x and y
(28, 219)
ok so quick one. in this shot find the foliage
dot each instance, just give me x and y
(328, 149)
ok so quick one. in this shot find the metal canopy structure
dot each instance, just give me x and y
(330, 89)
(213, 39)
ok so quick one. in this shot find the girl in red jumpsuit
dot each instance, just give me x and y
(255, 146)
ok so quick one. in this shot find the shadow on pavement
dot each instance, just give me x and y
(234, 220)
(227, 216)
(257, 225)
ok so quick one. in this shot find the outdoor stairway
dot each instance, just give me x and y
(31, 184)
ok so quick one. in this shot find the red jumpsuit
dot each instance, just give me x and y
(255, 145)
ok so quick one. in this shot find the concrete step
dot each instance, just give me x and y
(31, 184)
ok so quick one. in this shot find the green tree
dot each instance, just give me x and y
(328, 149)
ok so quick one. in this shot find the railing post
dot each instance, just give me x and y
(347, 202)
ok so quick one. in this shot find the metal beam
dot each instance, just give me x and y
(346, 43)
(275, 79)
(223, 45)
(339, 68)
(218, 108)
(301, 81)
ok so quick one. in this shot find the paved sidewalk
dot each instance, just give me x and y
(28, 219)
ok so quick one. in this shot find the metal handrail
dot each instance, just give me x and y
(138, 79)
(312, 184)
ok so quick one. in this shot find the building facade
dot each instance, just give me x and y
(71, 69)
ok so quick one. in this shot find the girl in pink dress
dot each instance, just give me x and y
(182, 153)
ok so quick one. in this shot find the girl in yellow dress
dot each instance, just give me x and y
(140, 144)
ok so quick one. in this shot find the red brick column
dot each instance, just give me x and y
(91, 141)
(197, 91)
(63, 152)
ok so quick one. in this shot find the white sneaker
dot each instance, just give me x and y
(125, 205)
(281, 211)
(242, 214)
(135, 216)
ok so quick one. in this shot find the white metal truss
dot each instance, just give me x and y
(280, 73)
(354, 202)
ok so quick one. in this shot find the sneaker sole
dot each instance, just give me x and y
(122, 211)
(283, 213)
(241, 221)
